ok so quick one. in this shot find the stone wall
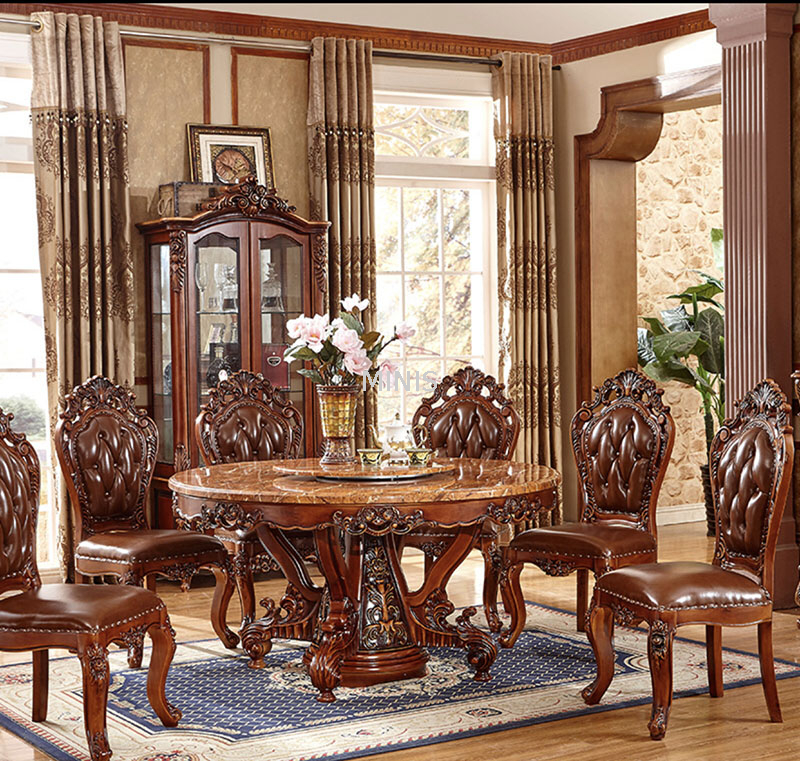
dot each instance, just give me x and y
(679, 200)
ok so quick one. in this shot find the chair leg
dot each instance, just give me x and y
(150, 582)
(659, 653)
(714, 659)
(491, 578)
(136, 645)
(94, 665)
(223, 591)
(163, 638)
(582, 602)
(41, 683)
(600, 631)
(513, 602)
(767, 662)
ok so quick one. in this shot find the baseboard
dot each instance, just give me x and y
(669, 514)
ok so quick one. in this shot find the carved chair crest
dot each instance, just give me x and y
(19, 507)
(469, 415)
(107, 448)
(750, 464)
(622, 441)
(228, 416)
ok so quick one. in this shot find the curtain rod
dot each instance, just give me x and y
(300, 47)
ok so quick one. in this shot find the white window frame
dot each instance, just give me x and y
(16, 156)
(413, 85)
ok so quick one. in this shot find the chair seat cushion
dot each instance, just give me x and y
(682, 586)
(603, 539)
(76, 608)
(147, 546)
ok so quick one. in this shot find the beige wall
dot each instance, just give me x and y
(165, 88)
(678, 201)
(577, 111)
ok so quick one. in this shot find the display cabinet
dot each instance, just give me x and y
(222, 285)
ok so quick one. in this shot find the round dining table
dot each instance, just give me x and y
(364, 625)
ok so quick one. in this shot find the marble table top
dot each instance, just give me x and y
(263, 482)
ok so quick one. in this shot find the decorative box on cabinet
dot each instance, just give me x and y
(221, 286)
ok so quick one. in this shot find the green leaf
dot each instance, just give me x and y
(352, 322)
(702, 292)
(718, 248)
(644, 347)
(304, 352)
(676, 320)
(313, 374)
(673, 345)
(656, 326)
(670, 371)
(711, 326)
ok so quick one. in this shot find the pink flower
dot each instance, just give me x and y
(358, 362)
(388, 367)
(315, 331)
(347, 340)
(296, 327)
(404, 331)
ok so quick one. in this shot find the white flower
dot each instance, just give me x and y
(404, 331)
(358, 362)
(315, 331)
(295, 327)
(353, 302)
(347, 340)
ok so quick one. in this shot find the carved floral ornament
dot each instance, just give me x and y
(249, 198)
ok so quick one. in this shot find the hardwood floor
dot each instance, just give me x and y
(734, 727)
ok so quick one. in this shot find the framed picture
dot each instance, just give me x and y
(228, 154)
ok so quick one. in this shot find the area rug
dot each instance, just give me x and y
(232, 713)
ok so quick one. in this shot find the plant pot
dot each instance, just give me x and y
(711, 523)
(337, 406)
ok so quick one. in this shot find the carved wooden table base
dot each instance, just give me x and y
(367, 628)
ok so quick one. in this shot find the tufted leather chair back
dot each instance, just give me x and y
(750, 462)
(468, 415)
(622, 441)
(247, 419)
(19, 506)
(107, 451)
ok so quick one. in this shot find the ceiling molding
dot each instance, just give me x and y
(197, 21)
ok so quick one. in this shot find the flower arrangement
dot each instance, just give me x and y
(341, 352)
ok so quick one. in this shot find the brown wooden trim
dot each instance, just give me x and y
(630, 36)
(174, 19)
(236, 52)
(193, 46)
(628, 129)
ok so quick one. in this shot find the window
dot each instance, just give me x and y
(435, 226)
(23, 387)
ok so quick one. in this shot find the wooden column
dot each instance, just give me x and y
(757, 215)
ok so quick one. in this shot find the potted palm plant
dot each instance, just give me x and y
(686, 344)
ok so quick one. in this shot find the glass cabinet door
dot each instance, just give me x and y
(218, 308)
(280, 264)
(161, 347)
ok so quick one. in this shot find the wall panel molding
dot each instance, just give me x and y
(249, 25)
(174, 45)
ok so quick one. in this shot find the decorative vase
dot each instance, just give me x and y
(337, 405)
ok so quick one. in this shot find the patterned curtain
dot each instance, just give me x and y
(341, 158)
(526, 248)
(82, 196)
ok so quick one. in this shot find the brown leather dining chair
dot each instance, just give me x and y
(750, 461)
(246, 419)
(468, 415)
(82, 619)
(107, 451)
(622, 441)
